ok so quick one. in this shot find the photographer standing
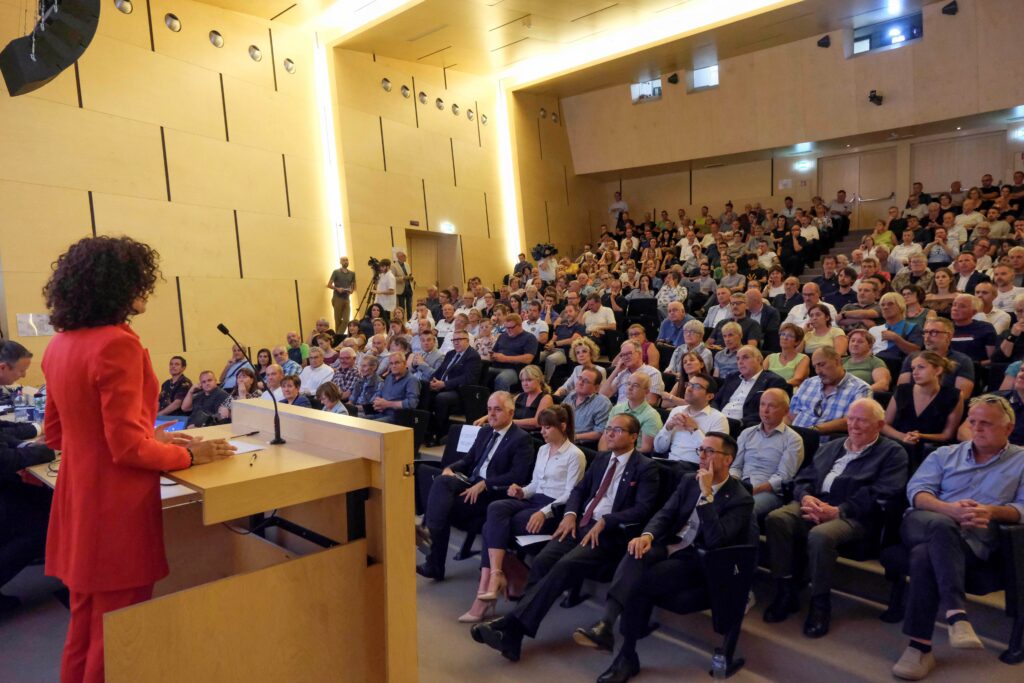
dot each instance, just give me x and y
(386, 288)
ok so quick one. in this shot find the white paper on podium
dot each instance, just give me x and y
(466, 438)
(246, 447)
(530, 539)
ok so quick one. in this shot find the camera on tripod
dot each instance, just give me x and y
(374, 263)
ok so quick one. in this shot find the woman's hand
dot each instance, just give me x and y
(176, 438)
(209, 451)
(536, 522)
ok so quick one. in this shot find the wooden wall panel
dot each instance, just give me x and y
(360, 139)
(159, 90)
(262, 237)
(298, 45)
(305, 188)
(476, 167)
(208, 251)
(128, 28)
(38, 224)
(998, 39)
(462, 207)
(160, 328)
(736, 181)
(192, 43)
(374, 239)
(272, 120)
(230, 176)
(376, 198)
(259, 312)
(50, 144)
(418, 152)
(358, 80)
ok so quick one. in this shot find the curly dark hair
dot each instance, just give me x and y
(97, 279)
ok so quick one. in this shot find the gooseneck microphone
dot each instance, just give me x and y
(277, 417)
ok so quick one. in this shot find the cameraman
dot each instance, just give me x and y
(386, 288)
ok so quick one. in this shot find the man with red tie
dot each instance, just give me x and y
(619, 488)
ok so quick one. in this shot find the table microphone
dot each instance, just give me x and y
(277, 418)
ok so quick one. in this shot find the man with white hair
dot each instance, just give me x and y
(835, 499)
(630, 360)
(956, 495)
(316, 373)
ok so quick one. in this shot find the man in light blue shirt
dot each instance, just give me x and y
(288, 366)
(956, 495)
(822, 402)
(399, 390)
(769, 453)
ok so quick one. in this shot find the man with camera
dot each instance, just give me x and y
(387, 287)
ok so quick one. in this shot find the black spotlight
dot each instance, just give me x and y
(874, 98)
(950, 9)
(825, 41)
(673, 79)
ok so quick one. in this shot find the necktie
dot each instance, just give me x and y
(455, 361)
(484, 458)
(601, 491)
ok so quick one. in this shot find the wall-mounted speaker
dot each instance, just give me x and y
(673, 79)
(824, 41)
(62, 35)
(950, 9)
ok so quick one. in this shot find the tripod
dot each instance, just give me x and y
(364, 303)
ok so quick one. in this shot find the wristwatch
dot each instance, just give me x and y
(707, 498)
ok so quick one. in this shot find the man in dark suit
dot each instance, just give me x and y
(739, 397)
(966, 278)
(767, 317)
(501, 455)
(835, 499)
(619, 488)
(440, 396)
(708, 510)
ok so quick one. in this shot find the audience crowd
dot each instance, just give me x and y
(677, 383)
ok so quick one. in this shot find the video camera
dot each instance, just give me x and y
(541, 251)
(374, 263)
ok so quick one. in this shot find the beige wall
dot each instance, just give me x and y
(556, 205)
(404, 162)
(233, 129)
(799, 92)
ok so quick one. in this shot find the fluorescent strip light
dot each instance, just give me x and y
(331, 179)
(507, 175)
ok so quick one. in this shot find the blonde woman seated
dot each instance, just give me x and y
(559, 467)
(924, 410)
(693, 341)
(535, 397)
(585, 351)
(329, 394)
(789, 363)
(863, 364)
(820, 331)
(692, 364)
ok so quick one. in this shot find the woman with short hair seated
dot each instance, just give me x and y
(584, 350)
(648, 349)
(535, 398)
(290, 386)
(529, 509)
(863, 364)
(329, 395)
(789, 363)
(924, 410)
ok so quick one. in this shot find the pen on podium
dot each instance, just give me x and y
(239, 436)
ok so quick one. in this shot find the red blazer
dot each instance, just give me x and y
(106, 524)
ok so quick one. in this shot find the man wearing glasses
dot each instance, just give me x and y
(629, 361)
(620, 487)
(834, 500)
(440, 396)
(938, 335)
(590, 409)
(708, 510)
(637, 387)
(687, 424)
(822, 402)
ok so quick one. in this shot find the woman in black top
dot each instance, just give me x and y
(535, 398)
(924, 411)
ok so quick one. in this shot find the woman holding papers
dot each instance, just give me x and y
(106, 526)
(528, 510)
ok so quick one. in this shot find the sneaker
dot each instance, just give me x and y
(913, 664)
(751, 601)
(963, 637)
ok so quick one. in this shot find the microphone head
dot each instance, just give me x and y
(223, 329)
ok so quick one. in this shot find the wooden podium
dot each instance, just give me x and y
(324, 592)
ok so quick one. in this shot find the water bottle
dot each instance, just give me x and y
(719, 666)
(19, 397)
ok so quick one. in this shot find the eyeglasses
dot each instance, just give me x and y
(932, 333)
(819, 407)
(616, 430)
(696, 385)
(704, 450)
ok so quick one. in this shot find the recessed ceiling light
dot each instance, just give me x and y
(216, 39)
(125, 6)
(172, 22)
(289, 65)
(386, 84)
(255, 53)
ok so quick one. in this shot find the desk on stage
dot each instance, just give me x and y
(324, 592)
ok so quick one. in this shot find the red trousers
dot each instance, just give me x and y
(83, 651)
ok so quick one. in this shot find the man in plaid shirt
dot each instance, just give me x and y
(346, 375)
(822, 402)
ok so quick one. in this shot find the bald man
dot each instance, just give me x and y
(769, 453)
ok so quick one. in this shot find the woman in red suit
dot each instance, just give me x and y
(106, 526)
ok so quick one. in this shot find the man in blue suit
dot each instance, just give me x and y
(739, 396)
(619, 488)
(501, 455)
(440, 396)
